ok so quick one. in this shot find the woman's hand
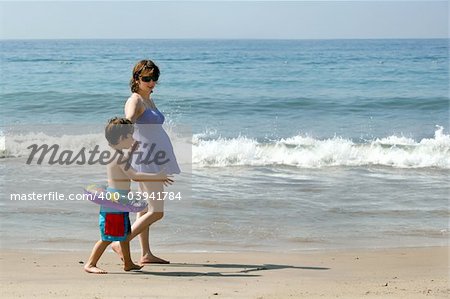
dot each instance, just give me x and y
(164, 177)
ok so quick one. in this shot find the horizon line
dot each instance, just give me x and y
(218, 38)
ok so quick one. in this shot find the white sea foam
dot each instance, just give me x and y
(17, 145)
(307, 152)
(297, 151)
(2, 144)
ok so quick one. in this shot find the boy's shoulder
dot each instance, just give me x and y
(117, 164)
(115, 157)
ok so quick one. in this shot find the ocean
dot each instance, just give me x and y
(288, 145)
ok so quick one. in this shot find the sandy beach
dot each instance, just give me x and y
(309, 143)
(380, 273)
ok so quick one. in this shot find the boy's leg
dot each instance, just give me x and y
(128, 263)
(97, 251)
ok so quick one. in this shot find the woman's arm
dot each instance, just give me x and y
(133, 108)
(146, 177)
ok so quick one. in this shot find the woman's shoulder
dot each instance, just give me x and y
(134, 98)
(134, 107)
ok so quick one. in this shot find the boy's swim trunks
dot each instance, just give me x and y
(114, 225)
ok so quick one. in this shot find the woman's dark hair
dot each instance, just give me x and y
(118, 127)
(146, 67)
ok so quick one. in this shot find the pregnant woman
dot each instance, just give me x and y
(154, 154)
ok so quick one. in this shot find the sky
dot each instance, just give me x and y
(224, 19)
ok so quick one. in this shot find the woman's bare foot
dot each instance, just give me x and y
(131, 267)
(151, 259)
(117, 249)
(94, 270)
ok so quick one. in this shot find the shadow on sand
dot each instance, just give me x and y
(241, 270)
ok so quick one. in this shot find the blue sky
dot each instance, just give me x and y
(224, 19)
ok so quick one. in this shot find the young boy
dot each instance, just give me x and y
(115, 225)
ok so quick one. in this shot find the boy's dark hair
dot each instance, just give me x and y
(118, 127)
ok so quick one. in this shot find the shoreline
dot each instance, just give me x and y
(412, 272)
(134, 249)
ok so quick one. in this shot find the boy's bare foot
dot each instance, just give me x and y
(94, 270)
(131, 267)
(151, 259)
(116, 248)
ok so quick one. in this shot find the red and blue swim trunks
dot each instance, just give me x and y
(114, 224)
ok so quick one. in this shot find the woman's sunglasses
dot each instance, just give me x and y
(149, 78)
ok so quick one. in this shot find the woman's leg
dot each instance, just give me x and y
(155, 212)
